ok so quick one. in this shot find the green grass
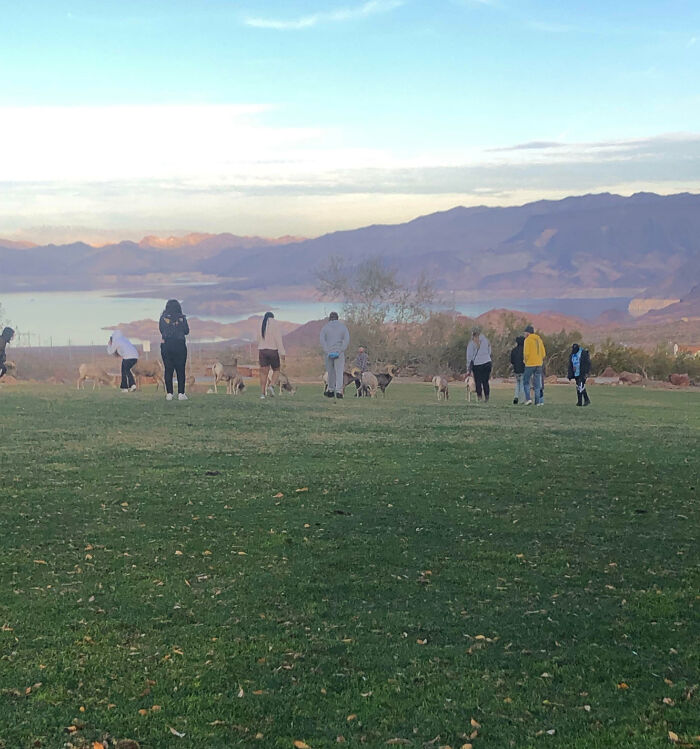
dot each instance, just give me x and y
(544, 556)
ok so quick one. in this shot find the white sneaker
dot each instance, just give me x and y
(528, 403)
(132, 389)
(262, 397)
(123, 390)
(169, 397)
(182, 397)
(540, 404)
(270, 391)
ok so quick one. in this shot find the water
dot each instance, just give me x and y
(62, 318)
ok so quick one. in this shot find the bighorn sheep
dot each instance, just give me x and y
(441, 387)
(228, 373)
(94, 373)
(369, 384)
(469, 386)
(283, 383)
(151, 368)
(384, 378)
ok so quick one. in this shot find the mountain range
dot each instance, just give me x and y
(645, 247)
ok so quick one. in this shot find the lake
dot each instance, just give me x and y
(63, 318)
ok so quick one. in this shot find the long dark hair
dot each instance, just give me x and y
(172, 307)
(268, 315)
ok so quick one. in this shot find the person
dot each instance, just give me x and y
(271, 353)
(5, 337)
(579, 369)
(479, 363)
(335, 338)
(362, 360)
(120, 345)
(174, 328)
(533, 356)
(518, 364)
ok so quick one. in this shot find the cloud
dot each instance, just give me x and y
(370, 7)
(533, 145)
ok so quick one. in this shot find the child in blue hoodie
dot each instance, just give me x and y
(579, 369)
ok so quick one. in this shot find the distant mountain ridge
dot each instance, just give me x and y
(645, 246)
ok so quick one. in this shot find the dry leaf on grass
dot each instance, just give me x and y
(351, 717)
(466, 746)
(176, 733)
(98, 745)
(303, 489)
(279, 495)
(623, 685)
(301, 745)
(474, 723)
(668, 701)
(673, 737)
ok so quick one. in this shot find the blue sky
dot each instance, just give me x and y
(305, 116)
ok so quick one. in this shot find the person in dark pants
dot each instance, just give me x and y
(518, 364)
(173, 349)
(120, 345)
(479, 363)
(5, 337)
(579, 369)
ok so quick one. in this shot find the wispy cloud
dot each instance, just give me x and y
(533, 145)
(368, 8)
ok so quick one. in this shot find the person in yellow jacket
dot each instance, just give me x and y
(533, 355)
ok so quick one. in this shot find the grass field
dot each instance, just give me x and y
(255, 573)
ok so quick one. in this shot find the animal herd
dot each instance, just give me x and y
(367, 384)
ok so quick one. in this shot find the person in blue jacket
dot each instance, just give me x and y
(579, 369)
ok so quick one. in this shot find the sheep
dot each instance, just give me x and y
(469, 386)
(151, 368)
(384, 378)
(369, 384)
(94, 373)
(228, 373)
(347, 379)
(283, 383)
(441, 387)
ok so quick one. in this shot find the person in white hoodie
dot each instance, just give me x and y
(335, 338)
(120, 345)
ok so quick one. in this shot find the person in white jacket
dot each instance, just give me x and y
(120, 345)
(335, 339)
(271, 353)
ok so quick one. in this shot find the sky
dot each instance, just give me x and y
(276, 117)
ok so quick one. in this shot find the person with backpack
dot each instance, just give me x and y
(479, 363)
(518, 363)
(120, 345)
(533, 356)
(579, 369)
(5, 337)
(174, 328)
(271, 354)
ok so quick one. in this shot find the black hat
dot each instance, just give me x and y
(529, 329)
(7, 333)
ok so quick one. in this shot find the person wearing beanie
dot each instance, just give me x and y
(174, 328)
(5, 337)
(533, 356)
(518, 364)
(335, 338)
(120, 345)
(479, 363)
(579, 369)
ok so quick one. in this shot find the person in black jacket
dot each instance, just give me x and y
(173, 349)
(579, 369)
(5, 337)
(518, 364)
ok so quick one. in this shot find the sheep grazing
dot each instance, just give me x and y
(228, 373)
(369, 384)
(94, 373)
(152, 369)
(384, 378)
(347, 379)
(442, 389)
(283, 384)
(469, 386)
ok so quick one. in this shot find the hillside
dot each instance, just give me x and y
(645, 248)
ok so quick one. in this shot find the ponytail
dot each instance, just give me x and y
(268, 315)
